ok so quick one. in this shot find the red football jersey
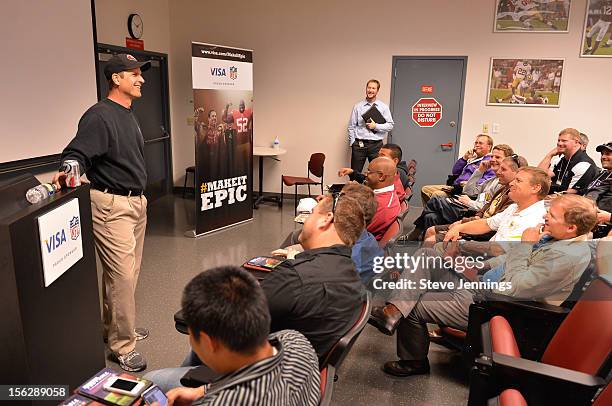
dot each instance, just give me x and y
(242, 120)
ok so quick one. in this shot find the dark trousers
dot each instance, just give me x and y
(439, 211)
(359, 154)
(419, 306)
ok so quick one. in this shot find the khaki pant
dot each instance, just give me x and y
(119, 224)
(428, 191)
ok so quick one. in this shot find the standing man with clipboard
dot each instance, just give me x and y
(369, 123)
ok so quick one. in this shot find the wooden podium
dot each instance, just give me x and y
(48, 335)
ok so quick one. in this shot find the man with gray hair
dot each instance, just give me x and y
(544, 266)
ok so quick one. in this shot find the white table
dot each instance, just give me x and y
(263, 152)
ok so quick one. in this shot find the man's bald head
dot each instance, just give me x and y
(381, 173)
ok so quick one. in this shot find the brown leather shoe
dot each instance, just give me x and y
(403, 368)
(385, 319)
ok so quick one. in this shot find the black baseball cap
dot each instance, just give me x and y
(607, 146)
(122, 62)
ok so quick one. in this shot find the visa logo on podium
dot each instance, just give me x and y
(61, 239)
(55, 240)
(218, 72)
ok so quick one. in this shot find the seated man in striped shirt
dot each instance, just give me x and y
(229, 324)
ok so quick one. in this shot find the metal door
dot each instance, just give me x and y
(153, 113)
(432, 142)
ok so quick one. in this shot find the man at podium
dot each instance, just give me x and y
(109, 148)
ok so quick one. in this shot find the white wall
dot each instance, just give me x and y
(111, 22)
(312, 60)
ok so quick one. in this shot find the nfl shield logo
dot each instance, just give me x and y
(75, 228)
(233, 72)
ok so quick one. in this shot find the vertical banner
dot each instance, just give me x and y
(223, 121)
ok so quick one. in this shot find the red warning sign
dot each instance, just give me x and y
(426, 112)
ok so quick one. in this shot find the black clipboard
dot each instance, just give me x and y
(374, 114)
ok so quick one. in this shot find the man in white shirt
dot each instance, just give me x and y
(527, 190)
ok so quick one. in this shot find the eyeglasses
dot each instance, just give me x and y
(515, 158)
(335, 198)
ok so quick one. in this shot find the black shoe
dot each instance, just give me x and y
(415, 235)
(133, 361)
(385, 319)
(403, 368)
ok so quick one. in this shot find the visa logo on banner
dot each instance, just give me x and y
(218, 71)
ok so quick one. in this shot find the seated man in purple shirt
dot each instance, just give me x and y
(463, 169)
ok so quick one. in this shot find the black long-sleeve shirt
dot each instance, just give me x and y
(576, 173)
(600, 191)
(109, 147)
(318, 294)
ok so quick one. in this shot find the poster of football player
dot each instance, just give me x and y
(532, 15)
(525, 82)
(597, 34)
(223, 129)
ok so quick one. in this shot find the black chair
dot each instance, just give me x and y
(189, 170)
(340, 350)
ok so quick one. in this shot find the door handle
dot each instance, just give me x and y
(447, 145)
(452, 124)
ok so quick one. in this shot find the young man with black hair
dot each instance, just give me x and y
(400, 181)
(226, 312)
(394, 152)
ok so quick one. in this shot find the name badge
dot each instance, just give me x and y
(360, 143)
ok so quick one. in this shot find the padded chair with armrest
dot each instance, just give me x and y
(509, 397)
(327, 385)
(536, 321)
(392, 234)
(315, 167)
(340, 350)
(512, 397)
(572, 368)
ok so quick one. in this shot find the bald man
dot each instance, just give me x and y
(380, 178)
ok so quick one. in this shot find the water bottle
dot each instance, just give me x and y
(40, 192)
(276, 143)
